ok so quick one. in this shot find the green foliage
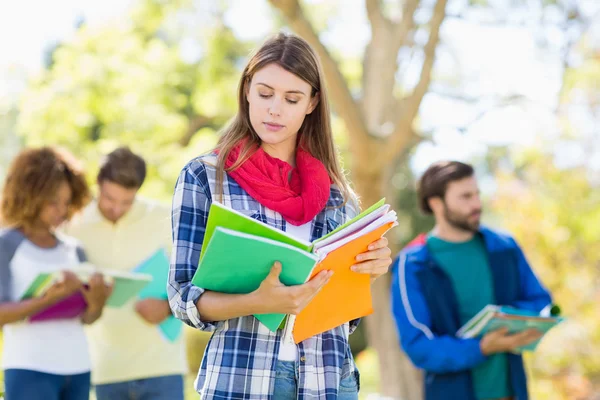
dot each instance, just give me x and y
(129, 83)
(557, 221)
(411, 221)
(557, 218)
(195, 342)
(581, 84)
(126, 84)
(368, 366)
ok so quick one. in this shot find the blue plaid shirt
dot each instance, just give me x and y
(241, 356)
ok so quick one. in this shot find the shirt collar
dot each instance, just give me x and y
(92, 214)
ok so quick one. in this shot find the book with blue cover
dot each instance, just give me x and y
(493, 317)
(157, 266)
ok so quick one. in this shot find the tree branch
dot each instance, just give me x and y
(409, 106)
(374, 13)
(402, 28)
(196, 123)
(345, 105)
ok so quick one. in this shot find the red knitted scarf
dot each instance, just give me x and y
(298, 194)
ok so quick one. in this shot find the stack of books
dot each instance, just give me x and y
(238, 253)
(147, 280)
(126, 285)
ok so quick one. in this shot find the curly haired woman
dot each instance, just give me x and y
(44, 358)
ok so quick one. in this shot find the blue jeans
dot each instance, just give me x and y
(286, 383)
(23, 384)
(160, 388)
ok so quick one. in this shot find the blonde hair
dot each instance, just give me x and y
(295, 55)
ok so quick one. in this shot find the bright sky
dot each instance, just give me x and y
(28, 26)
(497, 61)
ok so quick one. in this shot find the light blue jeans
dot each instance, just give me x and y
(286, 383)
(160, 388)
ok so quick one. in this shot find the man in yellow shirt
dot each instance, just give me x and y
(119, 230)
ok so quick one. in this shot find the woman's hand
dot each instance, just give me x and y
(63, 289)
(96, 293)
(376, 261)
(274, 297)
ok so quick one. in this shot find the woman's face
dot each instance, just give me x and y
(55, 211)
(278, 101)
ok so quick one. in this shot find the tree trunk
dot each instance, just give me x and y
(379, 128)
(398, 378)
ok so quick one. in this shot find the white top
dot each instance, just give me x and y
(288, 351)
(58, 346)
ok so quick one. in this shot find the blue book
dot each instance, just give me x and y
(157, 265)
(493, 317)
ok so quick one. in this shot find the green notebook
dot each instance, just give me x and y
(226, 266)
(126, 288)
(39, 285)
(126, 285)
(236, 262)
(220, 215)
(493, 317)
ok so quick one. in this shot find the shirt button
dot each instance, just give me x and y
(302, 359)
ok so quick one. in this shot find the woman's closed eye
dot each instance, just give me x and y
(266, 96)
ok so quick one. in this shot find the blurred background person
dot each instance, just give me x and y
(444, 278)
(119, 230)
(49, 358)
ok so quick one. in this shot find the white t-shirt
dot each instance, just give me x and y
(288, 350)
(57, 346)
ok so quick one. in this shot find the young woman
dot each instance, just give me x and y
(276, 162)
(43, 358)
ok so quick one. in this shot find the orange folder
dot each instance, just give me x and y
(346, 296)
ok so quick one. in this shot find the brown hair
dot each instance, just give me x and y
(294, 55)
(436, 179)
(32, 181)
(123, 167)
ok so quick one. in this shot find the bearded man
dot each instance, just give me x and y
(445, 277)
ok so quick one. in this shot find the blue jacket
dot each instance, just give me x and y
(425, 309)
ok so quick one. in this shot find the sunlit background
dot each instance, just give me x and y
(514, 89)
